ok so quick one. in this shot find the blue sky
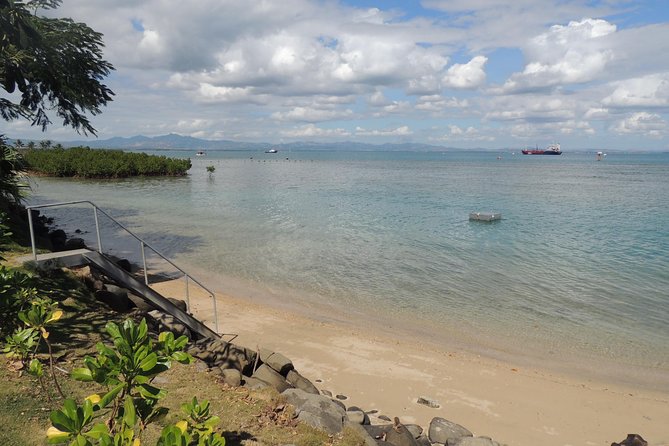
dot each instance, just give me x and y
(455, 73)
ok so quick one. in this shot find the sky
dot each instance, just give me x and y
(589, 74)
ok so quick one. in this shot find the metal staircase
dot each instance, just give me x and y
(102, 262)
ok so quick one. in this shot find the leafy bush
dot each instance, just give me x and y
(84, 162)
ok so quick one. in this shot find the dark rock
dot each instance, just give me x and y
(124, 264)
(339, 403)
(180, 304)
(362, 433)
(423, 441)
(58, 239)
(271, 377)
(399, 435)
(74, 243)
(168, 322)
(231, 377)
(428, 402)
(318, 411)
(632, 440)
(218, 353)
(113, 300)
(255, 383)
(300, 382)
(276, 361)
(357, 416)
(119, 292)
(384, 418)
(415, 430)
(441, 430)
(377, 430)
(326, 393)
(342, 397)
(140, 303)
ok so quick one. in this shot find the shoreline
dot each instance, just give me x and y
(379, 366)
(460, 336)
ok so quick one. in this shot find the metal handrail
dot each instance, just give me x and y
(143, 245)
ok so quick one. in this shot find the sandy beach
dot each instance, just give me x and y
(378, 368)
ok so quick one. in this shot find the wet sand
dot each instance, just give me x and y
(380, 368)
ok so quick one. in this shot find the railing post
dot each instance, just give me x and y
(146, 274)
(213, 298)
(32, 233)
(187, 294)
(97, 228)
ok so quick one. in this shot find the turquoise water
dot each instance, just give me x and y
(578, 267)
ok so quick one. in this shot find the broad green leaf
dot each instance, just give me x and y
(81, 374)
(149, 362)
(98, 431)
(109, 396)
(129, 413)
(35, 368)
(211, 422)
(62, 421)
(182, 357)
(152, 392)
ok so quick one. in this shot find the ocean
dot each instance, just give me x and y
(576, 274)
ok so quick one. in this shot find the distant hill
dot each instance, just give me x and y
(174, 141)
(164, 142)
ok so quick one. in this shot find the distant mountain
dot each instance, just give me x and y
(164, 142)
(174, 142)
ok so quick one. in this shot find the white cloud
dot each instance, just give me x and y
(466, 76)
(470, 133)
(437, 103)
(646, 124)
(534, 108)
(254, 69)
(309, 114)
(399, 131)
(212, 94)
(596, 113)
(310, 130)
(576, 53)
(647, 91)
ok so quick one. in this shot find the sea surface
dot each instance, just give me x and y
(576, 272)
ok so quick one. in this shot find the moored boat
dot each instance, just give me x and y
(553, 149)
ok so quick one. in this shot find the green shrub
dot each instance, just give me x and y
(84, 162)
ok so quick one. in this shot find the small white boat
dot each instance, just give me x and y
(272, 150)
(200, 153)
(600, 156)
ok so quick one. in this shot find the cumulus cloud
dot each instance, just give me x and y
(256, 69)
(466, 76)
(309, 114)
(399, 131)
(311, 130)
(642, 123)
(532, 108)
(437, 103)
(456, 133)
(647, 91)
(575, 53)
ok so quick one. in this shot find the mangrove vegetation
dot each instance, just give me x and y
(84, 162)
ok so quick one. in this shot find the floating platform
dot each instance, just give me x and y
(485, 216)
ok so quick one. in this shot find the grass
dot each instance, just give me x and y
(247, 417)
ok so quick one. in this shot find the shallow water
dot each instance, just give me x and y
(578, 267)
